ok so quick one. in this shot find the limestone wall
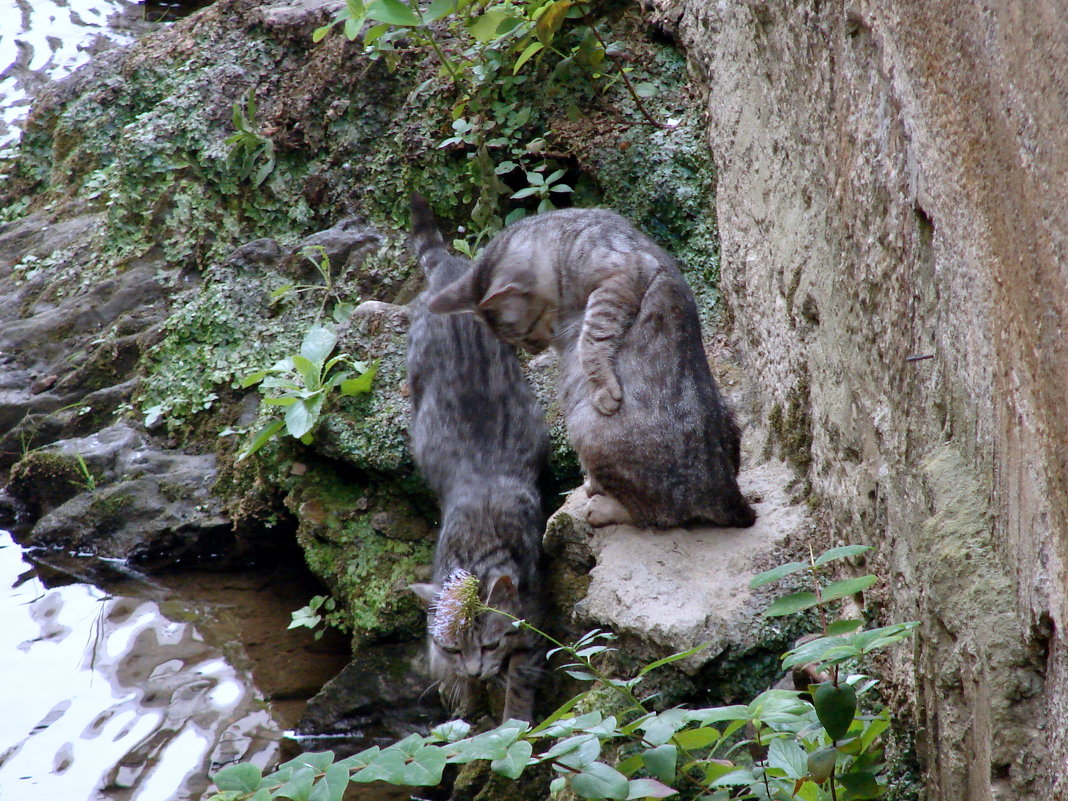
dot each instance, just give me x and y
(893, 183)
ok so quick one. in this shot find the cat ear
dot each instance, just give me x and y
(503, 593)
(427, 593)
(457, 298)
(492, 299)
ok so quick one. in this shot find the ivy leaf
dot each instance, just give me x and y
(332, 786)
(393, 12)
(600, 781)
(645, 89)
(425, 768)
(452, 731)
(512, 764)
(244, 778)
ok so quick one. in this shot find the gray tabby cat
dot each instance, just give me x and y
(657, 442)
(478, 436)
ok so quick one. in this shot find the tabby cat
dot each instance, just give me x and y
(644, 414)
(478, 436)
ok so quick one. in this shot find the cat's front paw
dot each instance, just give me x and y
(607, 399)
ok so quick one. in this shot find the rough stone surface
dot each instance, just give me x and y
(891, 186)
(672, 590)
(149, 506)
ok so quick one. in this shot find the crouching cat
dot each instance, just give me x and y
(478, 436)
(643, 412)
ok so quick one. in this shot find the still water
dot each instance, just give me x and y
(134, 693)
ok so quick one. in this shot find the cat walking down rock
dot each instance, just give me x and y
(479, 438)
(644, 414)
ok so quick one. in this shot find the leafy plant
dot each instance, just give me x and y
(248, 146)
(318, 257)
(815, 744)
(486, 50)
(320, 609)
(87, 480)
(301, 382)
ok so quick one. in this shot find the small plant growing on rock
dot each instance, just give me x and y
(321, 609)
(301, 382)
(248, 147)
(812, 744)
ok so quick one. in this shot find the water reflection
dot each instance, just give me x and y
(109, 698)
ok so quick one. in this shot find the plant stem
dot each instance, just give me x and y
(626, 79)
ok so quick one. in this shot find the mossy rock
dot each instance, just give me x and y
(43, 480)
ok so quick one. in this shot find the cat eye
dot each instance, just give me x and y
(449, 649)
(491, 646)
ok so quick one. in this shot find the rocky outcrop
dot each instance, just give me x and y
(893, 210)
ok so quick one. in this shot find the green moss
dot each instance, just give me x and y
(792, 428)
(108, 507)
(368, 571)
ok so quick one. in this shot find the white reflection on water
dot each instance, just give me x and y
(106, 698)
(42, 40)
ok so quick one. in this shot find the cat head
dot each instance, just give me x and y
(512, 309)
(480, 650)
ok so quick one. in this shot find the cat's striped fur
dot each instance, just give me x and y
(479, 438)
(643, 412)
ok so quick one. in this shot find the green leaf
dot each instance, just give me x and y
(861, 785)
(575, 752)
(320, 33)
(244, 778)
(789, 604)
(735, 778)
(720, 714)
(820, 764)
(302, 416)
(661, 727)
(393, 12)
(529, 52)
(493, 744)
(843, 627)
(299, 785)
(387, 766)
(309, 371)
(318, 343)
(438, 9)
(550, 20)
(661, 761)
(261, 439)
(649, 788)
(253, 378)
(789, 757)
(331, 787)
(600, 781)
(868, 641)
(526, 191)
(485, 28)
(362, 383)
(560, 712)
(426, 767)
(512, 764)
(775, 574)
(840, 589)
(696, 738)
(835, 707)
(874, 729)
(452, 731)
(667, 660)
(840, 553)
(646, 89)
(287, 400)
(819, 650)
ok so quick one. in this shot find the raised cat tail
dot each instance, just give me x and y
(425, 237)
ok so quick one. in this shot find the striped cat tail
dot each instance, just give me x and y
(425, 237)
